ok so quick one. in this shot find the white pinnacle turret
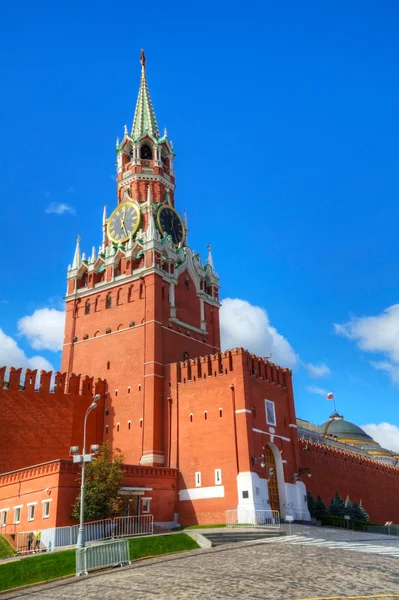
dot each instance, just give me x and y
(186, 227)
(76, 256)
(104, 223)
(93, 255)
(209, 260)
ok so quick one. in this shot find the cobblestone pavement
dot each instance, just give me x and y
(271, 570)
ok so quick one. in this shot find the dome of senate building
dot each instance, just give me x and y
(345, 431)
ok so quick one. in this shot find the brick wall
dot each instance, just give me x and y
(375, 484)
(39, 425)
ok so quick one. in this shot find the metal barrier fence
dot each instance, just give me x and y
(108, 554)
(385, 529)
(46, 540)
(244, 517)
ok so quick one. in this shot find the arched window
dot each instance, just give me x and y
(108, 301)
(129, 424)
(117, 426)
(220, 412)
(145, 152)
(87, 308)
(97, 304)
(130, 294)
(185, 356)
(118, 297)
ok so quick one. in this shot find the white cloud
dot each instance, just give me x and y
(317, 370)
(379, 334)
(314, 389)
(44, 329)
(385, 434)
(242, 324)
(59, 208)
(11, 355)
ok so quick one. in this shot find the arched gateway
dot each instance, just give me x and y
(271, 476)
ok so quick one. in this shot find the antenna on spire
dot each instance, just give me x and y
(142, 60)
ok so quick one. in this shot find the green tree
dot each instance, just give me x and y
(357, 514)
(102, 484)
(319, 508)
(340, 504)
(348, 507)
(311, 503)
(365, 515)
(334, 509)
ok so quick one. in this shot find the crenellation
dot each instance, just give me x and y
(30, 380)
(14, 378)
(45, 381)
(74, 384)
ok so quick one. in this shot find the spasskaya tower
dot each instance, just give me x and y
(145, 299)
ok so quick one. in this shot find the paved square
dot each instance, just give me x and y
(287, 570)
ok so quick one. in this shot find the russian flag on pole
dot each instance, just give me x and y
(330, 396)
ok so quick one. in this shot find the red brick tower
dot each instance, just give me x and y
(144, 300)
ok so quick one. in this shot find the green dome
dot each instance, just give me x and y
(337, 427)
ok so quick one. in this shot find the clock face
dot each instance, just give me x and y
(124, 222)
(171, 224)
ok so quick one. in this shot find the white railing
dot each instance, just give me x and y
(132, 526)
(298, 514)
(26, 542)
(246, 517)
(102, 555)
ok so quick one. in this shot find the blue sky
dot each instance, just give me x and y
(285, 123)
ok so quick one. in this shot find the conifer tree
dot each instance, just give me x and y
(333, 509)
(311, 503)
(348, 507)
(319, 508)
(364, 512)
(357, 514)
(340, 504)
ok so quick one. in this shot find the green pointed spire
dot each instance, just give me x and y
(144, 117)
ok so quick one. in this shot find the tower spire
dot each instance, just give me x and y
(76, 256)
(144, 117)
(209, 260)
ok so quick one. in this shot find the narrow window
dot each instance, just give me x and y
(141, 422)
(46, 509)
(185, 356)
(198, 479)
(31, 512)
(145, 152)
(191, 418)
(106, 429)
(270, 412)
(117, 426)
(87, 307)
(141, 290)
(146, 505)
(205, 414)
(108, 301)
(220, 412)
(108, 365)
(218, 476)
(17, 515)
(3, 519)
(129, 424)
(128, 389)
(116, 392)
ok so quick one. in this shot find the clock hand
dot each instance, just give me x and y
(123, 225)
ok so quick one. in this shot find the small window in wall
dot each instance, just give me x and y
(129, 424)
(270, 412)
(117, 426)
(245, 494)
(191, 417)
(3, 517)
(220, 412)
(146, 505)
(141, 422)
(46, 509)
(218, 476)
(205, 415)
(106, 429)
(198, 479)
(17, 514)
(87, 307)
(108, 301)
(31, 511)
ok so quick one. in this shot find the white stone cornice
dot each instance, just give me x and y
(128, 177)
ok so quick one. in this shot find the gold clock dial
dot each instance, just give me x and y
(170, 223)
(124, 222)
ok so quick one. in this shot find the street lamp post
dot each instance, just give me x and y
(83, 459)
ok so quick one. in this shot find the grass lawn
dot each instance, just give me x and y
(5, 549)
(163, 544)
(37, 568)
(44, 567)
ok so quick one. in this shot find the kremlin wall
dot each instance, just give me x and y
(202, 431)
